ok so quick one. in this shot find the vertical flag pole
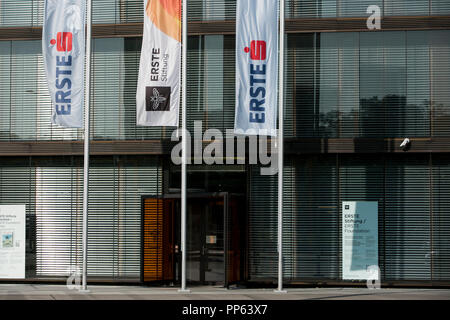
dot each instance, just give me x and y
(86, 143)
(280, 149)
(184, 148)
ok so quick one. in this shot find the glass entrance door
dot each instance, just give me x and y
(215, 239)
(205, 244)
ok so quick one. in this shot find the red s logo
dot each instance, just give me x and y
(63, 41)
(257, 50)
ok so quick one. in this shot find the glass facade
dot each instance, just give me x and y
(342, 87)
(345, 84)
(410, 230)
(52, 189)
(367, 84)
(29, 12)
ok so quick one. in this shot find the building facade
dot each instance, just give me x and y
(352, 95)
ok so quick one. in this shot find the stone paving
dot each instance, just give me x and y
(102, 292)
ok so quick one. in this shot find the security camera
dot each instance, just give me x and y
(405, 143)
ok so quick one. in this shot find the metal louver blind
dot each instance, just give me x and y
(413, 224)
(357, 8)
(212, 10)
(17, 186)
(18, 13)
(210, 91)
(25, 105)
(52, 190)
(440, 78)
(113, 94)
(58, 220)
(339, 85)
(361, 178)
(407, 219)
(262, 225)
(441, 218)
(5, 85)
(300, 101)
(384, 84)
(311, 232)
(114, 238)
(29, 12)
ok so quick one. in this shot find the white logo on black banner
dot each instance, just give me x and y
(157, 98)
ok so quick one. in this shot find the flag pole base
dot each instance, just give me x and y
(84, 291)
(184, 291)
(279, 291)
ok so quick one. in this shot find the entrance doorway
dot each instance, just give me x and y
(215, 239)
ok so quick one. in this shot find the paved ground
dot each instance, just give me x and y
(60, 292)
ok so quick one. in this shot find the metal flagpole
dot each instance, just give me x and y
(280, 149)
(86, 143)
(184, 148)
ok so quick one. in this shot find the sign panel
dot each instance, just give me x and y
(12, 242)
(359, 239)
(256, 67)
(158, 88)
(63, 47)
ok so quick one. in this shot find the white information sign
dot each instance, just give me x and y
(359, 239)
(12, 241)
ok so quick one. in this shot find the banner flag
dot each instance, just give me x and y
(256, 67)
(158, 88)
(63, 49)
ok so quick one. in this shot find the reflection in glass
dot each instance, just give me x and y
(440, 79)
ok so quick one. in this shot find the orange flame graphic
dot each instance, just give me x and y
(166, 16)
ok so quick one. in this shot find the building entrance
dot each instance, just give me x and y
(215, 239)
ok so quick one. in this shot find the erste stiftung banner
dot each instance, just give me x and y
(63, 48)
(158, 88)
(256, 67)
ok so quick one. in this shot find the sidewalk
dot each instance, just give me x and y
(60, 292)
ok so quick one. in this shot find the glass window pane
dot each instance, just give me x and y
(406, 7)
(214, 80)
(24, 89)
(417, 115)
(5, 84)
(107, 97)
(16, 12)
(371, 84)
(356, 8)
(339, 84)
(300, 75)
(440, 7)
(440, 79)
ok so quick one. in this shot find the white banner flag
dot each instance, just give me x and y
(63, 48)
(158, 88)
(256, 67)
